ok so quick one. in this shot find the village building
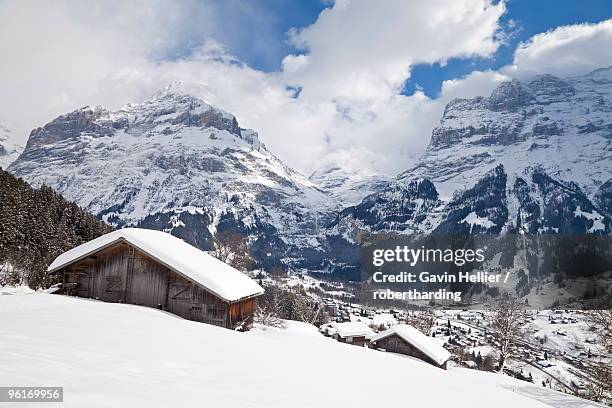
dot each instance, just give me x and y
(155, 269)
(355, 333)
(405, 339)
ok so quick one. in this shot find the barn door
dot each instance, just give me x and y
(113, 288)
(84, 283)
(114, 276)
(179, 299)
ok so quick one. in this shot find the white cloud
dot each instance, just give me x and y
(477, 83)
(359, 52)
(61, 55)
(565, 51)
(356, 60)
(358, 57)
(353, 64)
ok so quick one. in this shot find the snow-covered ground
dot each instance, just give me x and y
(114, 355)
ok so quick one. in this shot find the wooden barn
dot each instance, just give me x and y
(355, 333)
(405, 339)
(156, 269)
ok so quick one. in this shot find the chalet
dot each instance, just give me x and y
(405, 339)
(356, 333)
(156, 269)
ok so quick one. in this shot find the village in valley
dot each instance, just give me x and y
(555, 349)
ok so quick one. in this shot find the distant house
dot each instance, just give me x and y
(405, 339)
(356, 333)
(155, 269)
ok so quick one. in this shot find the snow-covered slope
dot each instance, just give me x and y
(111, 355)
(534, 156)
(9, 150)
(178, 164)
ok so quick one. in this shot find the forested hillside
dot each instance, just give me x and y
(36, 225)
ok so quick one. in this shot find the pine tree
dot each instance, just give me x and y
(38, 225)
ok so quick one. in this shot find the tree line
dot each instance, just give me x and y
(37, 225)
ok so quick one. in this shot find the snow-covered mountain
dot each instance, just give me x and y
(178, 164)
(534, 156)
(348, 186)
(9, 149)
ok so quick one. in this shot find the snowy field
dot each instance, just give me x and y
(114, 355)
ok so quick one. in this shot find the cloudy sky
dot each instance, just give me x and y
(351, 82)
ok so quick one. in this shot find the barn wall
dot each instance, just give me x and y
(123, 274)
(359, 341)
(242, 312)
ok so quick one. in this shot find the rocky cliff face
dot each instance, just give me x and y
(533, 157)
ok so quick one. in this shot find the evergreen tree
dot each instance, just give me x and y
(37, 226)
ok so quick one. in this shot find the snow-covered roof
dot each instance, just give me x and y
(427, 345)
(352, 329)
(214, 275)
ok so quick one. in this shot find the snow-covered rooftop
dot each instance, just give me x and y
(352, 329)
(216, 276)
(427, 345)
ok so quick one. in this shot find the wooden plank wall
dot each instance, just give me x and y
(123, 274)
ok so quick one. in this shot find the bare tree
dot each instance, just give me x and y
(271, 307)
(233, 249)
(600, 323)
(506, 318)
(278, 304)
(422, 320)
(599, 373)
(306, 310)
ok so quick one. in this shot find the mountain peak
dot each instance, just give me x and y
(180, 89)
(182, 102)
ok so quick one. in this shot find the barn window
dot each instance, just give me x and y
(180, 292)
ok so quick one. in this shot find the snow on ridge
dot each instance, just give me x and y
(193, 90)
(473, 219)
(594, 216)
